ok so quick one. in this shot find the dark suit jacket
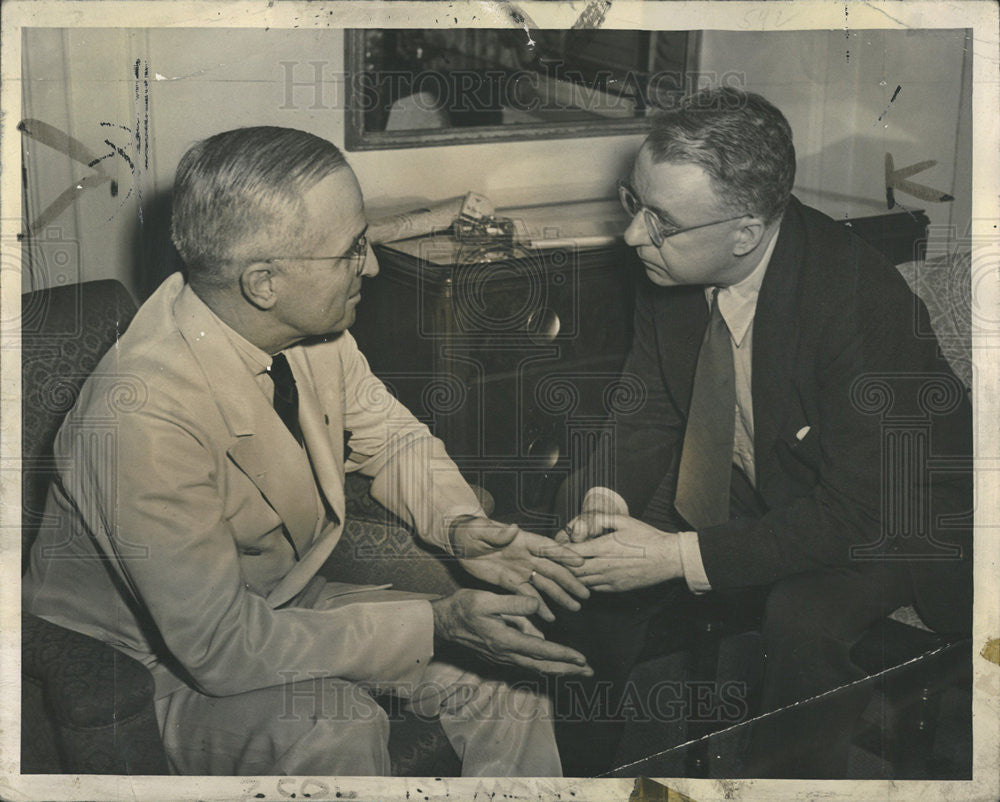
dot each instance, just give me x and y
(885, 468)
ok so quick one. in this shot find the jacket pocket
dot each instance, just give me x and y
(257, 529)
(799, 451)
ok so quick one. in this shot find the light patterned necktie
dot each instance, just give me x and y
(706, 461)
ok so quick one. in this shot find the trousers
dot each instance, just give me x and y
(329, 726)
(811, 697)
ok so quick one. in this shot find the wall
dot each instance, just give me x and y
(80, 83)
(834, 88)
(205, 81)
(202, 81)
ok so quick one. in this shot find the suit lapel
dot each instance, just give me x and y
(283, 477)
(775, 341)
(682, 317)
(321, 418)
(682, 314)
(322, 428)
(263, 449)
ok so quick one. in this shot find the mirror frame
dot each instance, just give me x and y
(356, 138)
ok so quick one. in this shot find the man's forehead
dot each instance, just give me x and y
(646, 165)
(662, 181)
(340, 187)
(336, 202)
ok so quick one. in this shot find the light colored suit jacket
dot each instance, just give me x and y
(180, 492)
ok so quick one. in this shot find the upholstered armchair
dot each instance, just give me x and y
(86, 707)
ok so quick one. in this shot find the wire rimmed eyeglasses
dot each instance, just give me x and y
(357, 254)
(658, 230)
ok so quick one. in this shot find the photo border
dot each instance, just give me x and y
(981, 17)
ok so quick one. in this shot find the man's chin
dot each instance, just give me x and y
(658, 276)
(338, 328)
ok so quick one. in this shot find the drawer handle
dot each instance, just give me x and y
(544, 450)
(543, 325)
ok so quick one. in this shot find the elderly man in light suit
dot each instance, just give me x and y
(194, 516)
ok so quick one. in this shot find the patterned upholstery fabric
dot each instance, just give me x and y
(99, 700)
(377, 547)
(39, 750)
(65, 332)
(944, 284)
(85, 707)
(419, 748)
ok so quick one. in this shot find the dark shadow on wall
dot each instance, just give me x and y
(154, 256)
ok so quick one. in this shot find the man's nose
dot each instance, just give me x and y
(636, 233)
(370, 270)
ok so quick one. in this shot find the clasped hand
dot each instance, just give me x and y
(620, 552)
(521, 562)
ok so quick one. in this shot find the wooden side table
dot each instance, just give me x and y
(511, 355)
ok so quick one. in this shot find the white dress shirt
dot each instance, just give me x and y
(257, 360)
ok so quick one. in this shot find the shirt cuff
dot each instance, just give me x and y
(445, 531)
(694, 568)
(603, 499)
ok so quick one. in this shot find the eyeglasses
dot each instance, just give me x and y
(658, 230)
(358, 254)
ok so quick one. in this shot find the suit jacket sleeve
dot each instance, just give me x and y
(834, 491)
(413, 475)
(153, 502)
(640, 452)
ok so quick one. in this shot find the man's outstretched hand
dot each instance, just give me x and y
(496, 627)
(521, 562)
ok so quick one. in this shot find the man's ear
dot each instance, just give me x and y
(257, 285)
(749, 236)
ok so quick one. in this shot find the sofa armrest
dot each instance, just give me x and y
(100, 698)
(89, 683)
(376, 547)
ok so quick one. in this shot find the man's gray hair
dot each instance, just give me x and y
(238, 196)
(740, 139)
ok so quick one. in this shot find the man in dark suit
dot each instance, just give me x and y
(779, 353)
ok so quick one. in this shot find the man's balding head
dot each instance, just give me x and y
(238, 197)
(742, 142)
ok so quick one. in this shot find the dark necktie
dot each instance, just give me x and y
(286, 397)
(706, 461)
